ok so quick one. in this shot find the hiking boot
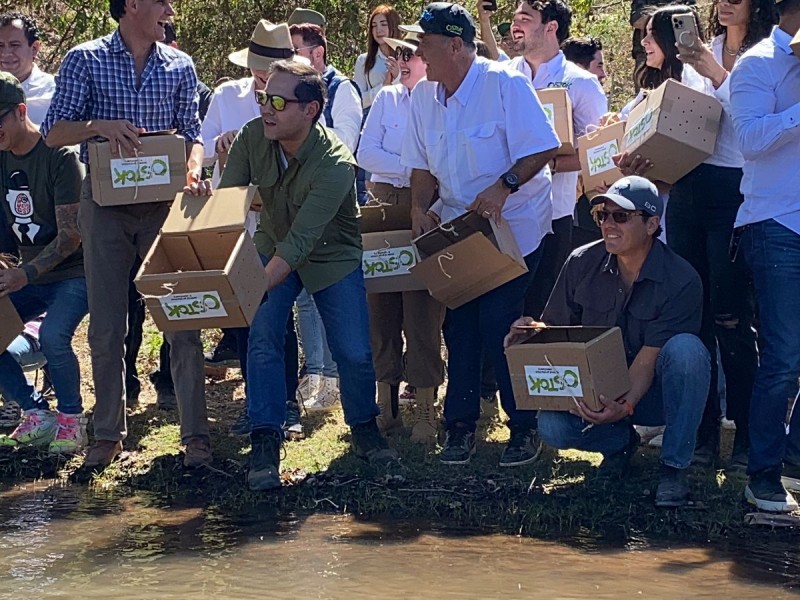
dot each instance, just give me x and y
(293, 427)
(242, 424)
(38, 428)
(524, 447)
(790, 477)
(265, 460)
(102, 453)
(70, 434)
(197, 452)
(616, 465)
(326, 398)
(370, 445)
(706, 452)
(389, 402)
(766, 492)
(10, 414)
(165, 398)
(459, 446)
(673, 488)
(222, 356)
(132, 396)
(308, 387)
(426, 425)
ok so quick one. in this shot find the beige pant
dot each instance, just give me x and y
(415, 314)
(112, 237)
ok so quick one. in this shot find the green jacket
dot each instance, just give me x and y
(310, 215)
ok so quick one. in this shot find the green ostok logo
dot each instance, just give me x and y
(140, 171)
(553, 381)
(454, 29)
(388, 261)
(193, 305)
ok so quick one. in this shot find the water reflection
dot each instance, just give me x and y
(77, 543)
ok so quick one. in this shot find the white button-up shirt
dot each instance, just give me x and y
(589, 103)
(383, 135)
(469, 140)
(232, 106)
(39, 88)
(765, 104)
(347, 115)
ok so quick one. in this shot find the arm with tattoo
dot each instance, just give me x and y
(66, 242)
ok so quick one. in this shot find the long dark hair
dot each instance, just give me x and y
(763, 16)
(393, 19)
(650, 78)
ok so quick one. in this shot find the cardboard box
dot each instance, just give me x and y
(156, 174)
(10, 323)
(795, 44)
(467, 257)
(560, 363)
(203, 270)
(675, 127)
(558, 106)
(596, 150)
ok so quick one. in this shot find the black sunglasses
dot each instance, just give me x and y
(402, 53)
(278, 102)
(619, 216)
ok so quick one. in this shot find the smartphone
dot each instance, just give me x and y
(685, 28)
(490, 5)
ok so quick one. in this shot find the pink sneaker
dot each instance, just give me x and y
(70, 436)
(38, 428)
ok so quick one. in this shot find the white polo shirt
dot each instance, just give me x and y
(383, 135)
(589, 103)
(39, 88)
(468, 141)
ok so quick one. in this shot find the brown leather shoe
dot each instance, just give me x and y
(102, 453)
(197, 453)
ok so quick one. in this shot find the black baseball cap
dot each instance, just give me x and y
(444, 18)
(634, 193)
(11, 92)
(504, 28)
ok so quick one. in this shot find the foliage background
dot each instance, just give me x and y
(210, 29)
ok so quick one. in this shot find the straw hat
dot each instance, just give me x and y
(268, 44)
(410, 40)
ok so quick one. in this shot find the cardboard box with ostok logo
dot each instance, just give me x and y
(559, 365)
(596, 150)
(155, 174)
(10, 323)
(558, 107)
(203, 271)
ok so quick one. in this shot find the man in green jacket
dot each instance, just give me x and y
(309, 238)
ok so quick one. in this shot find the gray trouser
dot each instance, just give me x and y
(112, 237)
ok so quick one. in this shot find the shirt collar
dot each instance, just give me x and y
(552, 70)
(782, 39)
(306, 150)
(117, 44)
(465, 89)
(652, 269)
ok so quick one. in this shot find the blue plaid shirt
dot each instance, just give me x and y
(97, 80)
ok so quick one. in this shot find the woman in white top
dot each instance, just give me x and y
(703, 205)
(377, 67)
(415, 313)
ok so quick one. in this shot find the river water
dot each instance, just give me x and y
(70, 542)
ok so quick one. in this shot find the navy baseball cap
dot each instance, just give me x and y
(634, 193)
(443, 18)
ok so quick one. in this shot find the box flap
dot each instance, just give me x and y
(225, 210)
(384, 217)
(452, 232)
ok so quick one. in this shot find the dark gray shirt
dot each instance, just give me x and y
(666, 299)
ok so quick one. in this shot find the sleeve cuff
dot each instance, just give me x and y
(791, 117)
(289, 254)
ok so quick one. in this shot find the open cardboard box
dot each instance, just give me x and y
(675, 127)
(155, 174)
(558, 106)
(558, 364)
(203, 271)
(467, 257)
(10, 323)
(596, 150)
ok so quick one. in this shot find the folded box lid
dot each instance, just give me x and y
(225, 210)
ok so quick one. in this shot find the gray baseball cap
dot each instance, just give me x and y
(634, 193)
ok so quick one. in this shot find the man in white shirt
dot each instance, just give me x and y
(479, 133)
(539, 29)
(765, 106)
(19, 45)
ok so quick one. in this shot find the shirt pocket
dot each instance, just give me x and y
(597, 305)
(485, 149)
(395, 130)
(436, 152)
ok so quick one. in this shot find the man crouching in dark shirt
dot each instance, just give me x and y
(632, 280)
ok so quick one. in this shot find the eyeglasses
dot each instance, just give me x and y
(404, 54)
(619, 216)
(278, 102)
(5, 114)
(306, 47)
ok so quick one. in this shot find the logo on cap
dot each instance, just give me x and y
(426, 15)
(455, 29)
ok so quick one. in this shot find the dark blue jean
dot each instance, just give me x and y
(477, 329)
(343, 308)
(676, 399)
(773, 253)
(66, 304)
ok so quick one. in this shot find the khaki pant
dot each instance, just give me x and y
(112, 237)
(415, 314)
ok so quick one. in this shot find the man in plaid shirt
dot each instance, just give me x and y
(117, 87)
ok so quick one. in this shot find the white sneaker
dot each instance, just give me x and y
(326, 398)
(70, 435)
(308, 388)
(647, 433)
(657, 441)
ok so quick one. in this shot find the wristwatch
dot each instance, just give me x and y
(511, 181)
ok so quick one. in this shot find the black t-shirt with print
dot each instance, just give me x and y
(31, 186)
